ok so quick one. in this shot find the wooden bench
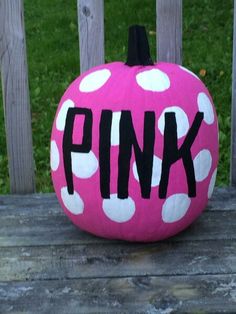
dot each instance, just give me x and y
(48, 265)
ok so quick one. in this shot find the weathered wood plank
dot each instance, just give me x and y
(169, 30)
(188, 273)
(91, 33)
(162, 295)
(38, 220)
(16, 96)
(223, 199)
(56, 230)
(233, 108)
(119, 260)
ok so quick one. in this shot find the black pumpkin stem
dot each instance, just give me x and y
(138, 47)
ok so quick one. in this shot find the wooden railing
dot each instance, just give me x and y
(14, 71)
(16, 97)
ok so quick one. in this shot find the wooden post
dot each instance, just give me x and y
(169, 30)
(16, 96)
(91, 33)
(233, 109)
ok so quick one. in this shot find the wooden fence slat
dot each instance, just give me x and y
(91, 33)
(233, 109)
(16, 96)
(169, 30)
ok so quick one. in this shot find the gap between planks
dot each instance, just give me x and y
(75, 279)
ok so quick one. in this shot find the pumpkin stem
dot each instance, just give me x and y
(138, 47)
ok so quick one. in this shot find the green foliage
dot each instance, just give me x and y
(207, 44)
(53, 59)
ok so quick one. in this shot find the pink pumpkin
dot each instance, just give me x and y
(134, 148)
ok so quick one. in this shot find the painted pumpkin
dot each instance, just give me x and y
(134, 147)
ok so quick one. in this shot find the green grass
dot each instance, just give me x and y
(53, 59)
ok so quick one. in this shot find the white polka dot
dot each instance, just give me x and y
(153, 80)
(181, 120)
(188, 71)
(205, 106)
(72, 202)
(212, 184)
(118, 210)
(54, 156)
(94, 80)
(61, 117)
(156, 171)
(202, 165)
(84, 165)
(115, 128)
(175, 207)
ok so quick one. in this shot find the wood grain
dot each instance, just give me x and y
(91, 33)
(118, 260)
(38, 220)
(150, 295)
(223, 199)
(57, 229)
(169, 30)
(48, 264)
(233, 108)
(16, 96)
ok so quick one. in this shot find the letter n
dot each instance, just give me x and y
(144, 158)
